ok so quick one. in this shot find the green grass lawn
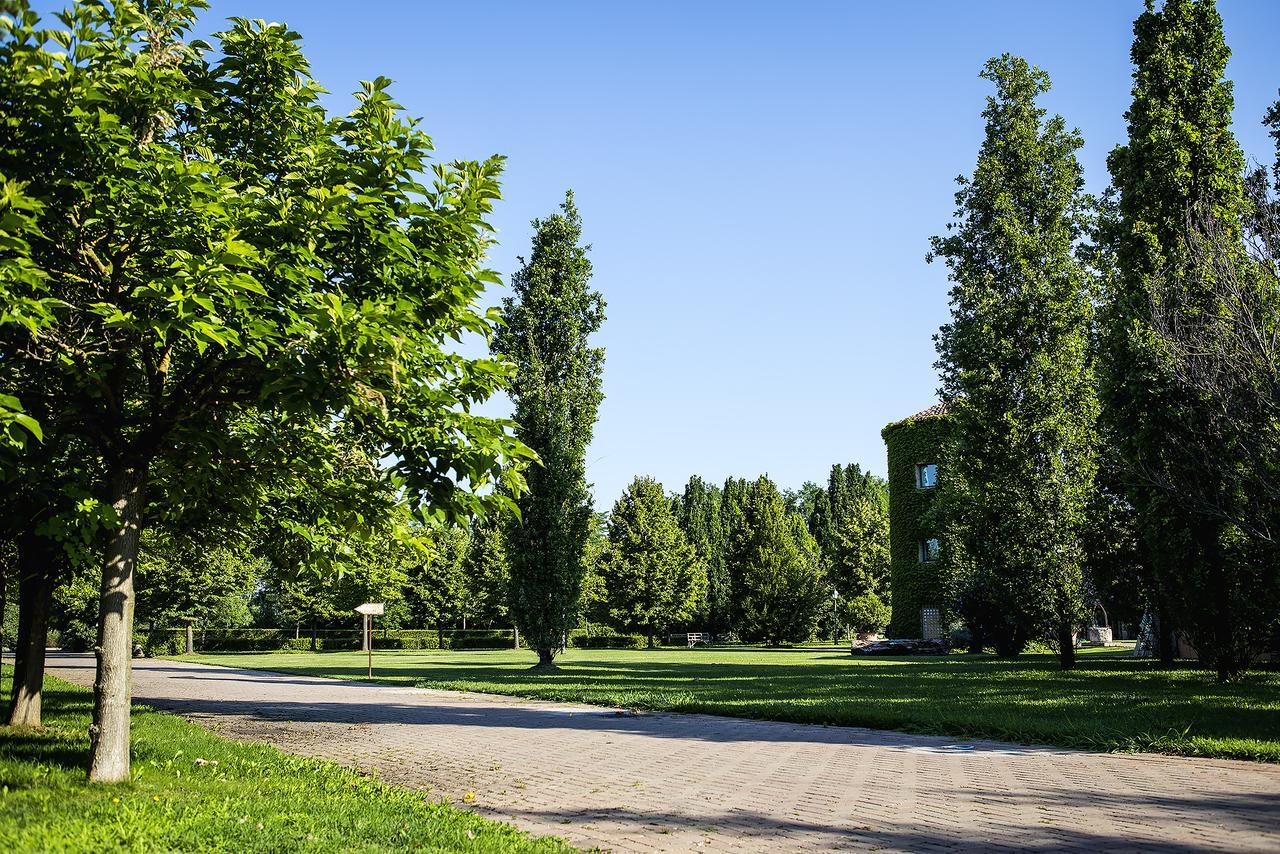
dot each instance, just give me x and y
(193, 791)
(1110, 702)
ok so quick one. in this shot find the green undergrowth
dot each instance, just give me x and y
(1111, 702)
(194, 791)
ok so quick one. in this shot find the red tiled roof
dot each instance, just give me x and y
(932, 412)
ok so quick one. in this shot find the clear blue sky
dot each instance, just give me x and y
(759, 183)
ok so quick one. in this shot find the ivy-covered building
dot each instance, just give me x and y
(915, 447)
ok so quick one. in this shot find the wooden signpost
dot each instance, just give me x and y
(369, 610)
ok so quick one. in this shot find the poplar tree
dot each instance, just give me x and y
(1180, 187)
(652, 576)
(736, 530)
(838, 502)
(858, 567)
(698, 512)
(547, 325)
(1016, 369)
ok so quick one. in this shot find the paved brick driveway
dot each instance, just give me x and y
(671, 782)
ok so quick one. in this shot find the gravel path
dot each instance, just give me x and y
(673, 782)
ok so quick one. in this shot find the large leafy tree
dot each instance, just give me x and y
(803, 500)
(652, 575)
(1179, 179)
(780, 586)
(187, 579)
(434, 578)
(697, 510)
(486, 573)
(215, 244)
(1016, 368)
(547, 326)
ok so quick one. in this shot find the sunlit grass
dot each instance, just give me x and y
(193, 791)
(1110, 702)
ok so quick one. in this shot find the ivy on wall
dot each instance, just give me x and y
(913, 585)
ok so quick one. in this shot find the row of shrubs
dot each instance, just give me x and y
(173, 641)
(596, 636)
(162, 642)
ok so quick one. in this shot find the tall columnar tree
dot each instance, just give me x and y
(736, 530)
(652, 575)
(780, 585)
(1180, 180)
(832, 506)
(548, 323)
(698, 512)
(1015, 361)
(858, 567)
(215, 244)
(838, 501)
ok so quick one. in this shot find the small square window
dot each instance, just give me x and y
(929, 551)
(926, 475)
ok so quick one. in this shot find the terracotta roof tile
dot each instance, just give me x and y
(932, 412)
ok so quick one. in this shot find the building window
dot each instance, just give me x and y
(929, 550)
(926, 475)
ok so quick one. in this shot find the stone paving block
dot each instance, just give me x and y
(669, 782)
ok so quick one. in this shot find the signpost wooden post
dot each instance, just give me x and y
(369, 610)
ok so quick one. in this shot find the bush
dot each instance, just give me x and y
(243, 640)
(76, 636)
(599, 636)
(163, 642)
(482, 639)
(611, 641)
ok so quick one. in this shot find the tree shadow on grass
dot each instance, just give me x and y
(62, 743)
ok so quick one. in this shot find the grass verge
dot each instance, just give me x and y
(1111, 702)
(194, 791)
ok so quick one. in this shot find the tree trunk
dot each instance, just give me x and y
(546, 660)
(313, 637)
(1230, 657)
(35, 596)
(1164, 638)
(4, 590)
(1066, 646)
(652, 645)
(109, 734)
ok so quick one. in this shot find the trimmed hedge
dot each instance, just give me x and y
(607, 641)
(597, 636)
(161, 642)
(913, 585)
(482, 639)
